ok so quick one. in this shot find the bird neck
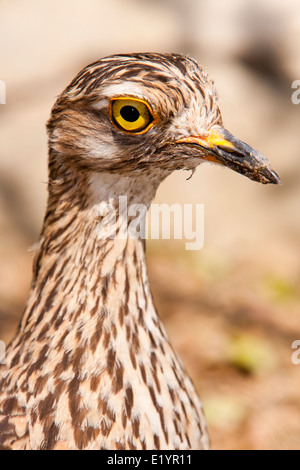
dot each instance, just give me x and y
(91, 257)
(91, 349)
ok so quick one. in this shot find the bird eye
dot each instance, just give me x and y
(131, 115)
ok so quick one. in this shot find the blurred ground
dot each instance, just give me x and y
(232, 309)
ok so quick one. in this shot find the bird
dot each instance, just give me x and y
(91, 365)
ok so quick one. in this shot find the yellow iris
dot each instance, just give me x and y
(131, 115)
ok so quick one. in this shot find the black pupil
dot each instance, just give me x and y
(130, 113)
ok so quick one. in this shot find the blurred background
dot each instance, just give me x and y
(232, 309)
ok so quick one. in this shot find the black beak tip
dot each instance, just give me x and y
(269, 176)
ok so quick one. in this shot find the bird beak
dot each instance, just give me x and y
(222, 147)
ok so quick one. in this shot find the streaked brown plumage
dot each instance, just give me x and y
(91, 366)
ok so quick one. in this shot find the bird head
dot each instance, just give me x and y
(144, 112)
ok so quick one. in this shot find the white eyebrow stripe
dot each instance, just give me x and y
(125, 88)
(101, 104)
(118, 89)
